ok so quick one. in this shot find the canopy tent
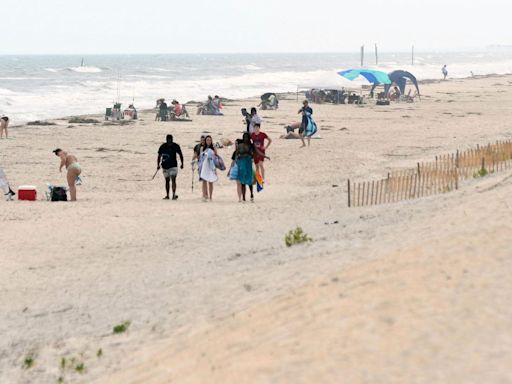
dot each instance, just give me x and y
(265, 96)
(400, 78)
(373, 76)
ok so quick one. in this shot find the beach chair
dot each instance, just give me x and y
(408, 98)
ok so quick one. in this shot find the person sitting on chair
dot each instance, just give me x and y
(395, 96)
(217, 105)
(179, 109)
(134, 111)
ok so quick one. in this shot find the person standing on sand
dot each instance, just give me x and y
(255, 119)
(167, 160)
(306, 112)
(196, 156)
(207, 169)
(74, 170)
(444, 71)
(4, 123)
(258, 138)
(233, 170)
(197, 148)
(246, 152)
(241, 167)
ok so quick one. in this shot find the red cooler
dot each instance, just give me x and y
(27, 192)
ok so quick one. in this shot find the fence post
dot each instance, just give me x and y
(358, 194)
(348, 182)
(371, 198)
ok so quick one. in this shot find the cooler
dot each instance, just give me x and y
(27, 192)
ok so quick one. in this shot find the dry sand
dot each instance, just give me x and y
(412, 292)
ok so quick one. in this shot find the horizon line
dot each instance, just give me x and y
(356, 52)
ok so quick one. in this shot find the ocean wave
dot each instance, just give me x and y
(21, 78)
(157, 77)
(81, 94)
(5, 91)
(85, 69)
(157, 69)
(251, 67)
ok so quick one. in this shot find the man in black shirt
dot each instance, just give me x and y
(167, 160)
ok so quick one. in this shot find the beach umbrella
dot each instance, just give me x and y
(374, 77)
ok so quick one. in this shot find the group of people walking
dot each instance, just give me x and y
(249, 150)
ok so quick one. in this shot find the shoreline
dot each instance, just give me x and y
(238, 100)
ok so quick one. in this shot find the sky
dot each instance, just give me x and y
(238, 26)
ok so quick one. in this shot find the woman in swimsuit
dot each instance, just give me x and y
(4, 123)
(74, 169)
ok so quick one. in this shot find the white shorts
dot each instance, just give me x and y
(171, 172)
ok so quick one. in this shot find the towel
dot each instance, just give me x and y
(259, 182)
(208, 166)
(311, 128)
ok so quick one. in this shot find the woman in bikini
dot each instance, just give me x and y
(4, 123)
(74, 170)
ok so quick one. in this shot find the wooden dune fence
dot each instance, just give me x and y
(439, 176)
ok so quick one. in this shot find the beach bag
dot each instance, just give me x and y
(59, 194)
(219, 163)
(233, 172)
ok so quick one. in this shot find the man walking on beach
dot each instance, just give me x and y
(167, 160)
(73, 168)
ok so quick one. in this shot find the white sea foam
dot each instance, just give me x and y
(5, 92)
(85, 69)
(20, 78)
(49, 95)
(157, 69)
(251, 67)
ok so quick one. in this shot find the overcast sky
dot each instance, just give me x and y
(238, 26)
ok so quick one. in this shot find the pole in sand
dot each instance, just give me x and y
(154, 175)
(193, 170)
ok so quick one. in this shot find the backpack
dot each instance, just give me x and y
(59, 194)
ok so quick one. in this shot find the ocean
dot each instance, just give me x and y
(50, 86)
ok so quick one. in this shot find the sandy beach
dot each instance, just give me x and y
(409, 292)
